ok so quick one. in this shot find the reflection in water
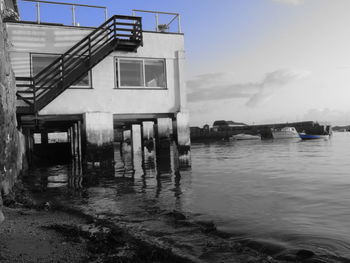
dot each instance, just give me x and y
(75, 178)
(283, 192)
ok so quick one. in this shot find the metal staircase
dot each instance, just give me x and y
(117, 33)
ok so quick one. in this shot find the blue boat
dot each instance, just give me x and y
(305, 136)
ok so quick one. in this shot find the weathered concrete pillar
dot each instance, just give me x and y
(29, 145)
(181, 131)
(149, 151)
(126, 151)
(148, 138)
(98, 138)
(136, 135)
(76, 143)
(174, 155)
(163, 128)
(79, 142)
(163, 140)
(71, 136)
(181, 124)
(136, 139)
(44, 137)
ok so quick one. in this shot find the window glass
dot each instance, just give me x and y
(40, 61)
(144, 73)
(131, 73)
(84, 81)
(154, 73)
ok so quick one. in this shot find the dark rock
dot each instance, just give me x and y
(207, 226)
(177, 215)
(286, 257)
(264, 246)
(303, 254)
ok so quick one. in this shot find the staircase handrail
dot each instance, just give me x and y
(86, 38)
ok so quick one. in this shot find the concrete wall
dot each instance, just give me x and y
(104, 96)
(26, 39)
(11, 141)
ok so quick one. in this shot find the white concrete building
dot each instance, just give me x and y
(90, 81)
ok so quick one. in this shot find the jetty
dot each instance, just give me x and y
(224, 131)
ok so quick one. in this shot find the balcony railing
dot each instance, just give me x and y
(166, 26)
(152, 20)
(73, 7)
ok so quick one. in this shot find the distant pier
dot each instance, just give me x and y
(224, 132)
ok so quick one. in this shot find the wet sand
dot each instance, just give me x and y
(29, 235)
(39, 231)
(23, 237)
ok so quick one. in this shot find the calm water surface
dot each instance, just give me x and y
(289, 192)
(295, 192)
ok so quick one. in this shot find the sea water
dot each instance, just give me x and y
(289, 192)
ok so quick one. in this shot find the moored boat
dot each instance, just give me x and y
(305, 136)
(243, 136)
(285, 133)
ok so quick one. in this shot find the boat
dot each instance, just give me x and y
(305, 136)
(243, 136)
(285, 133)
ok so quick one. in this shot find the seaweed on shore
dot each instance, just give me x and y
(109, 243)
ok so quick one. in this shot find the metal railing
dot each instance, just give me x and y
(72, 5)
(162, 27)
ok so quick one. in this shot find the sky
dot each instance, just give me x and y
(253, 61)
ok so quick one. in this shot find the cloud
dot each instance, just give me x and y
(219, 86)
(273, 82)
(291, 2)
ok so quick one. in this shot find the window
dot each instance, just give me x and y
(140, 73)
(57, 137)
(131, 73)
(37, 138)
(40, 61)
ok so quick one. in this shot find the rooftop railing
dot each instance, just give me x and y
(152, 20)
(162, 27)
(73, 6)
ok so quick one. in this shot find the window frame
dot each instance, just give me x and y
(144, 87)
(31, 54)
